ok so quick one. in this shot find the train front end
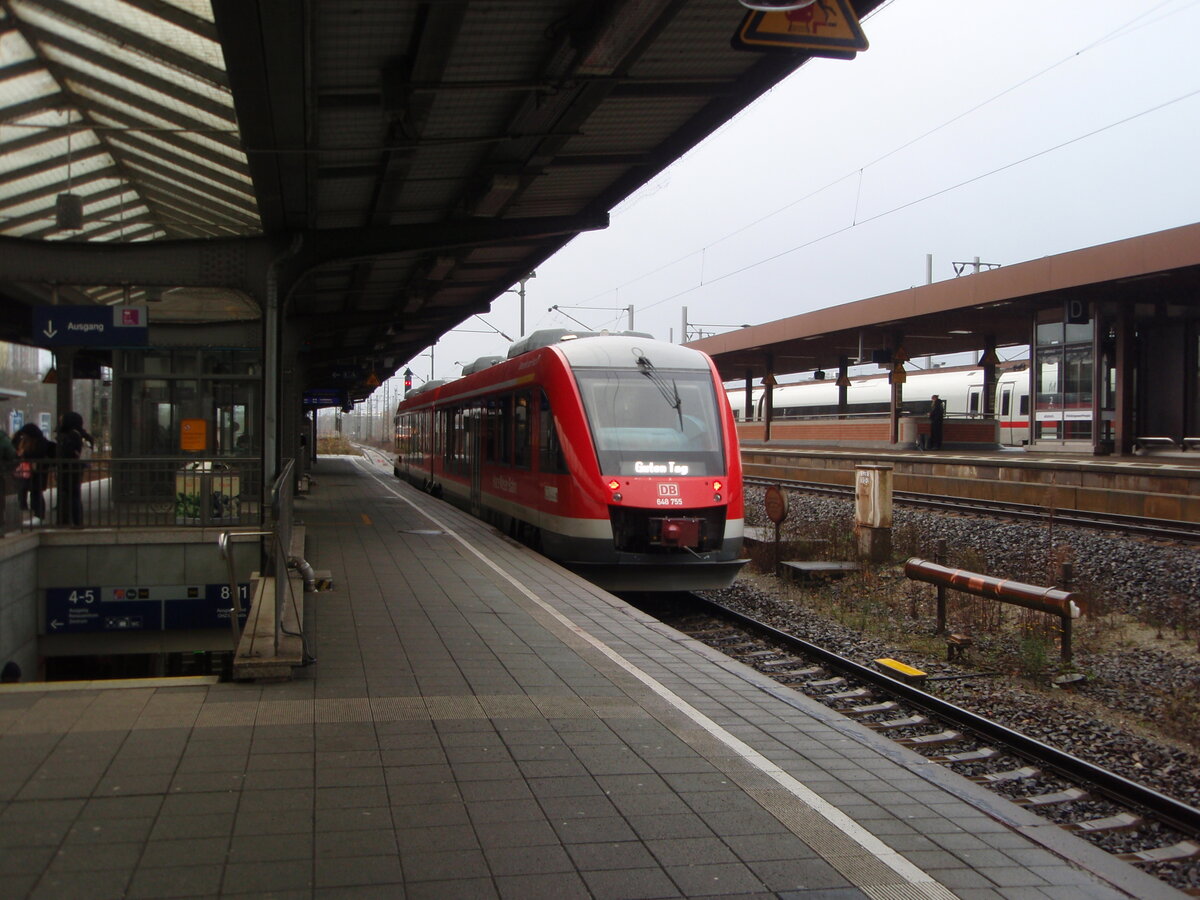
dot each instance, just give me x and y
(666, 474)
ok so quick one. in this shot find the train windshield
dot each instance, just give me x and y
(667, 424)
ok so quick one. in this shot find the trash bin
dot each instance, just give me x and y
(206, 493)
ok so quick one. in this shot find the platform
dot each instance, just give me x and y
(481, 723)
(1158, 487)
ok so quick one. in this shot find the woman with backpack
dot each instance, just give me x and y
(32, 452)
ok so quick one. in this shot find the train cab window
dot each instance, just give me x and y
(668, 425)
(550, 455)
(522, 431)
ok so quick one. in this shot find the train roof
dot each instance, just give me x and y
(548, 337)
(584, 351)
(623, 351)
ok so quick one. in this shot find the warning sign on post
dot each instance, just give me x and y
(823, 28)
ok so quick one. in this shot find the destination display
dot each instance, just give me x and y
(73, 610)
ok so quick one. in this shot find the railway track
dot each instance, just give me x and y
(1137, 824)
(1162, 529)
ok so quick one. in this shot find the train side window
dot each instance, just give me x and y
(503, 436)
(491, 429)
(550, 455)
(522, 431)
(1005, 403)
(1024, 404)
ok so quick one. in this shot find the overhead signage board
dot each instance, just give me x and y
(73, 610)
(824, 28)
(91, 326)
(326, 397)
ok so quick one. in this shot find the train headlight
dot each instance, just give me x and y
(717, 485)
(613, 486)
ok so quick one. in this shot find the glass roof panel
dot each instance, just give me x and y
(153, 28)
(112, 68)
(140, 90)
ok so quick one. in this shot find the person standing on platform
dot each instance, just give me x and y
(71, 435)
(32, 450)
(936, 412)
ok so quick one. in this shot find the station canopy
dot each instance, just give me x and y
(996, 307)
(449, 147)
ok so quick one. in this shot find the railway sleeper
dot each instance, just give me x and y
(871, 709)
(967, 756)
(1125, 821)
(931, 740)
(906, 722)
(1009, 775)
(801, 674)
(854, 694)
(828, 682)
(1033, 801)
(780, 663)
(1173, 853)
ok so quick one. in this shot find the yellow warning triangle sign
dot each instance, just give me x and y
(372, 380)
(823, 28)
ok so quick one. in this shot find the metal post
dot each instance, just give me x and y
(939, 557)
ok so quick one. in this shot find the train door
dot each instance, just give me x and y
(473, 425)
(975, 400)
(1006, 415)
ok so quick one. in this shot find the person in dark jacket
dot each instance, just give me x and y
(71, 436)
(32, 451)
(936, 413)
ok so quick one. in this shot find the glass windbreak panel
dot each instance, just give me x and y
(1049, 333)
(1048, 411)
(667, 426)
(1079, 333)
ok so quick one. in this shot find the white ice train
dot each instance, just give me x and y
(960, 387)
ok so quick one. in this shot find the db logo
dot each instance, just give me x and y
(668, 490)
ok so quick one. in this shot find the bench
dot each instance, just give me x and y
(1151, 443)
(957, 645)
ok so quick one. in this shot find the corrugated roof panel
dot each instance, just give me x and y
(76, 66)
(201, 161)
(159, 30)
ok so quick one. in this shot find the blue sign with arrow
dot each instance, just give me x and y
(91, 326)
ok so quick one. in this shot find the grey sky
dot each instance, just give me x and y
(983, 128)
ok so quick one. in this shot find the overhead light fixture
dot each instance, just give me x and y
(68, 212)
(499, 191)
(776, 5)
(441, 267)
(819, 375)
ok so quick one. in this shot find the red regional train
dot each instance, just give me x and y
(613, 454)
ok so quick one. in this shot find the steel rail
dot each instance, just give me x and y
(1180, 816)
(1159, 528)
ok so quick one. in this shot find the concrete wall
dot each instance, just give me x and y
(32, 562)
(19, 603)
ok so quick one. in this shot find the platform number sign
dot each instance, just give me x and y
(1077, 312)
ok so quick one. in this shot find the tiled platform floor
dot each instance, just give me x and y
(480, 724)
